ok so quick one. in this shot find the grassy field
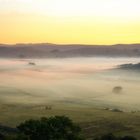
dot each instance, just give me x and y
(94, 121)
(78, 88)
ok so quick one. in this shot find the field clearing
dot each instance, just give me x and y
(94, 121)
(80, 88)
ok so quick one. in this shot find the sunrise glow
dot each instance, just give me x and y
(70, 21)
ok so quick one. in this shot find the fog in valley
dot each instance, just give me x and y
(80, 81)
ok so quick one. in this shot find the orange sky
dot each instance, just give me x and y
(70, 21)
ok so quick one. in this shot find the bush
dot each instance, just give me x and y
(128, 138)
(117, 89)
(110, 136)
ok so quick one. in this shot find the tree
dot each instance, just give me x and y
(2, 137)
(128, 138)
(53, 128)
(117, 89)
(110, 136)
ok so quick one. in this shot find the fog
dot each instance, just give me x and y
(80, 81)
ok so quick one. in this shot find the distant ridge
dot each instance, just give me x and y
(48, 50)
(130, 66)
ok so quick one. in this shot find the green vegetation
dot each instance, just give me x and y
(54, 128)
(93, 122)
(110, 136)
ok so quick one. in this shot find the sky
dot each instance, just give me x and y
(70, 21)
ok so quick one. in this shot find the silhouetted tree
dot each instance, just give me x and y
(53, 128)
(110, 136)
(128, 138)
(2, 137)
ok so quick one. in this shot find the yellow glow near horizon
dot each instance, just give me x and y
(70, 21)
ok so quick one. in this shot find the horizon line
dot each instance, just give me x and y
(63, 44)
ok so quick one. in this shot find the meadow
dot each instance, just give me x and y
(80, 88)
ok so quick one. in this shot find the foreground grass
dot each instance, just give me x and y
(94, 121)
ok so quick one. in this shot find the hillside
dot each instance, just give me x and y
(93, 121)
(53, 50)
(130, 66)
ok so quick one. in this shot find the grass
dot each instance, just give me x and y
(94, 121)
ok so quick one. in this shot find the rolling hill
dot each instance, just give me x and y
(46, 50)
